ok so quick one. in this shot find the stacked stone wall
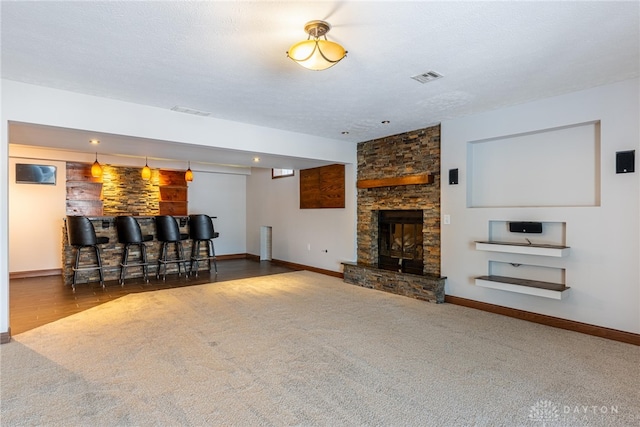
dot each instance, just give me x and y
(400, 155)
(124, 192)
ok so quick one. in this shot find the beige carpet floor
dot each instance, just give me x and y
(304, 349)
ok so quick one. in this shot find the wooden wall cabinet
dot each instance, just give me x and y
(322, 188)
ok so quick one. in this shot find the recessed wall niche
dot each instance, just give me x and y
(549, 167)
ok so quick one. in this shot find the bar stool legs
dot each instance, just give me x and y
(143, 262)
(77, 267)
(163, 259)
(195, 256)
(201, 230)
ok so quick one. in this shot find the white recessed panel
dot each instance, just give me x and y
(550, 167)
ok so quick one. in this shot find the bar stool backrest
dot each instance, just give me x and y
(81, 231)
(167, 229)
(201, 227)
(128, 230)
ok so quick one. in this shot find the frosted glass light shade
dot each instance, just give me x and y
(315, 54)
(96, 169)
(146, 173)
(188, 175)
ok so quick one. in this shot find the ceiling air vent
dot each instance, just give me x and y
(426, 77)
(190, 111)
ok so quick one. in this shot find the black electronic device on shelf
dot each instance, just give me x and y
(525, 227)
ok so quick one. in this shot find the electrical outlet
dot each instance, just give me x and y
(447, 219)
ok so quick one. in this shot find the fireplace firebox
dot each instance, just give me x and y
(400, 242)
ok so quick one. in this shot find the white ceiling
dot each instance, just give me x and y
(228, 58)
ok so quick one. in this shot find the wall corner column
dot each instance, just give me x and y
(5, 330)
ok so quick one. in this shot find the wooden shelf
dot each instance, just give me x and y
(524, 286)
(424, 178)
(173, 193)
(523, 248)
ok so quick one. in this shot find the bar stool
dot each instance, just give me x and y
(168, 232)
(201, 230)
(82, 235)
(129, 234)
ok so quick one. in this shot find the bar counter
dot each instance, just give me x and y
(111, 253)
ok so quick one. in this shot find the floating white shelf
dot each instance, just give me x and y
(524, 286)
(523, 248)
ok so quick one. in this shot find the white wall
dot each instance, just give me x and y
(602, 269)
(223, 196)
(36, 215)
(276, 203)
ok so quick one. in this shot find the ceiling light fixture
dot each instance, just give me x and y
(315, 53)
(96, 169)
(188, 175)
(146, 171)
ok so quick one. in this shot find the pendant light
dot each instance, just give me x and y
(316, 53)
(188, 175)
(96, 169)
(146, 171)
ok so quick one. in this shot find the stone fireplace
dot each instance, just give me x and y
(396, 175)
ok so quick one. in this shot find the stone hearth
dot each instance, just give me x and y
(424, 287)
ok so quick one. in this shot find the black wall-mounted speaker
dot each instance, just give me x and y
(453, 176)
(626, 161)
(525, 227)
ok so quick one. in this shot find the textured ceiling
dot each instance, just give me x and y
(228, 58)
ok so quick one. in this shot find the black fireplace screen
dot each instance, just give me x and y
(400, 243)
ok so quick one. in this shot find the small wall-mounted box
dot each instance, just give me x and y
(453, 176)
(626, 161)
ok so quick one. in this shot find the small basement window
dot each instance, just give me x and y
(281, 173)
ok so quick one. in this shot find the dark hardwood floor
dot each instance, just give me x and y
(36, 301)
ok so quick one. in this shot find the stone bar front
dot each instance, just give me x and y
(111, 253)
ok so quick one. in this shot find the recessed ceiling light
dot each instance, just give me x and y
(94, 141)
(345, 132)
(256, 159)
(385, 122)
